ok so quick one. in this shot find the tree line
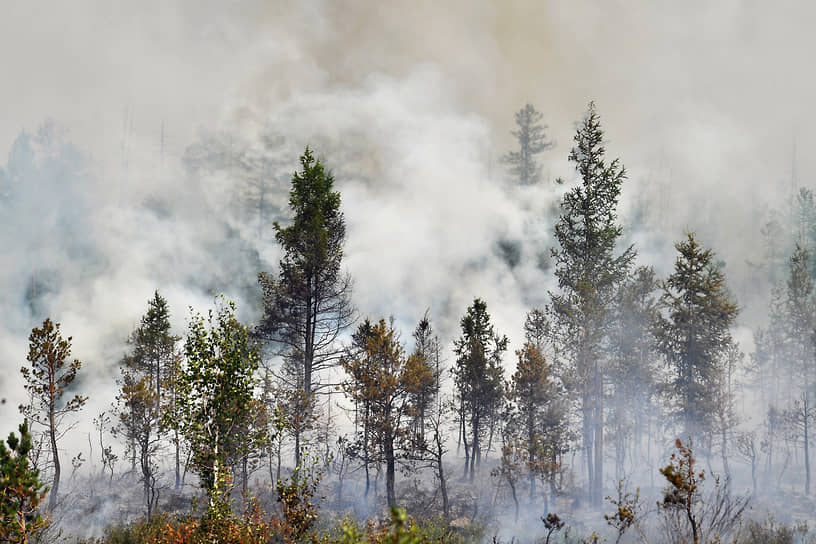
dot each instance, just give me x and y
(616, 358)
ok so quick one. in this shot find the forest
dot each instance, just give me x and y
(454, 272)
(617, 416)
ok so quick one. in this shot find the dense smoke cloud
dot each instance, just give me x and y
(411, 108)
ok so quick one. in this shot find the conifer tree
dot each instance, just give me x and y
(46, 382)
(532, 140)
(139, 422)
(799, 325)
(538, 417)
(147, 391)
(153, 345)
(478, 377)
(589, 271)
(307, 305)
(381, 377)
(425, 376)
(20, 490)
(633, 368)
(693, 333)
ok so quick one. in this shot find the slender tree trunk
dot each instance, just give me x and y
(52, 498)
(588, 443)
(515, 498)
(807, 453)
(365, 450)
(475, 455)
(467, 454)
(531, 455)
(308, 354)
(461, 428)
(441, 473)
(278, 466)
(597, 491)
(244, 475)
(297, 445)
(389, 471)
(178, 458)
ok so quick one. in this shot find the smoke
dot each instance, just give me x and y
(133, 130)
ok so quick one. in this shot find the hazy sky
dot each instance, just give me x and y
(704, 103)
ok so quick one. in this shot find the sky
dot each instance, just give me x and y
(135, 113)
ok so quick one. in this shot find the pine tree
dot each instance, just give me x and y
(381, 378)
(307, 305)
(694, 332)
(478, 377)
(425, 376)
(147, 391)
(153, 345)
(20, 490)
(799, 324)
(46, 381)
(532, 141)
(632, 370)
(538, 418)
(588, 272)
(139, 422)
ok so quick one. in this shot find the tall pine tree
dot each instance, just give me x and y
(307, 305)
(693, 333)
(478, 377)
(588, 271)
(532, 140)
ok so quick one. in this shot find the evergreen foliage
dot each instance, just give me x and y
(20, 490)
(147, 387)
(384, 379)
(307, 305)
(693, 333)
(478, 378)
(46, 382)
(538, 419)
(532, 140)
(588, 272)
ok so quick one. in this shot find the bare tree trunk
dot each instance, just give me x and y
(597, 494)
(441, 473)
(467, 454)
(475, 455)
(588, 443)
(389, 472)
(805, 418)
(52, 498)
(178, 458)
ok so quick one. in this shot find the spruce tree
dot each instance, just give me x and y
(538, 417)
(50, 375)
(153, 345)
(799, 324)
(633, 368)
(382, 378)
(479, 379)
(532, 140)
(146, 391)
(307, 305)
(588, 271)
(693, 333)
(20, 490)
